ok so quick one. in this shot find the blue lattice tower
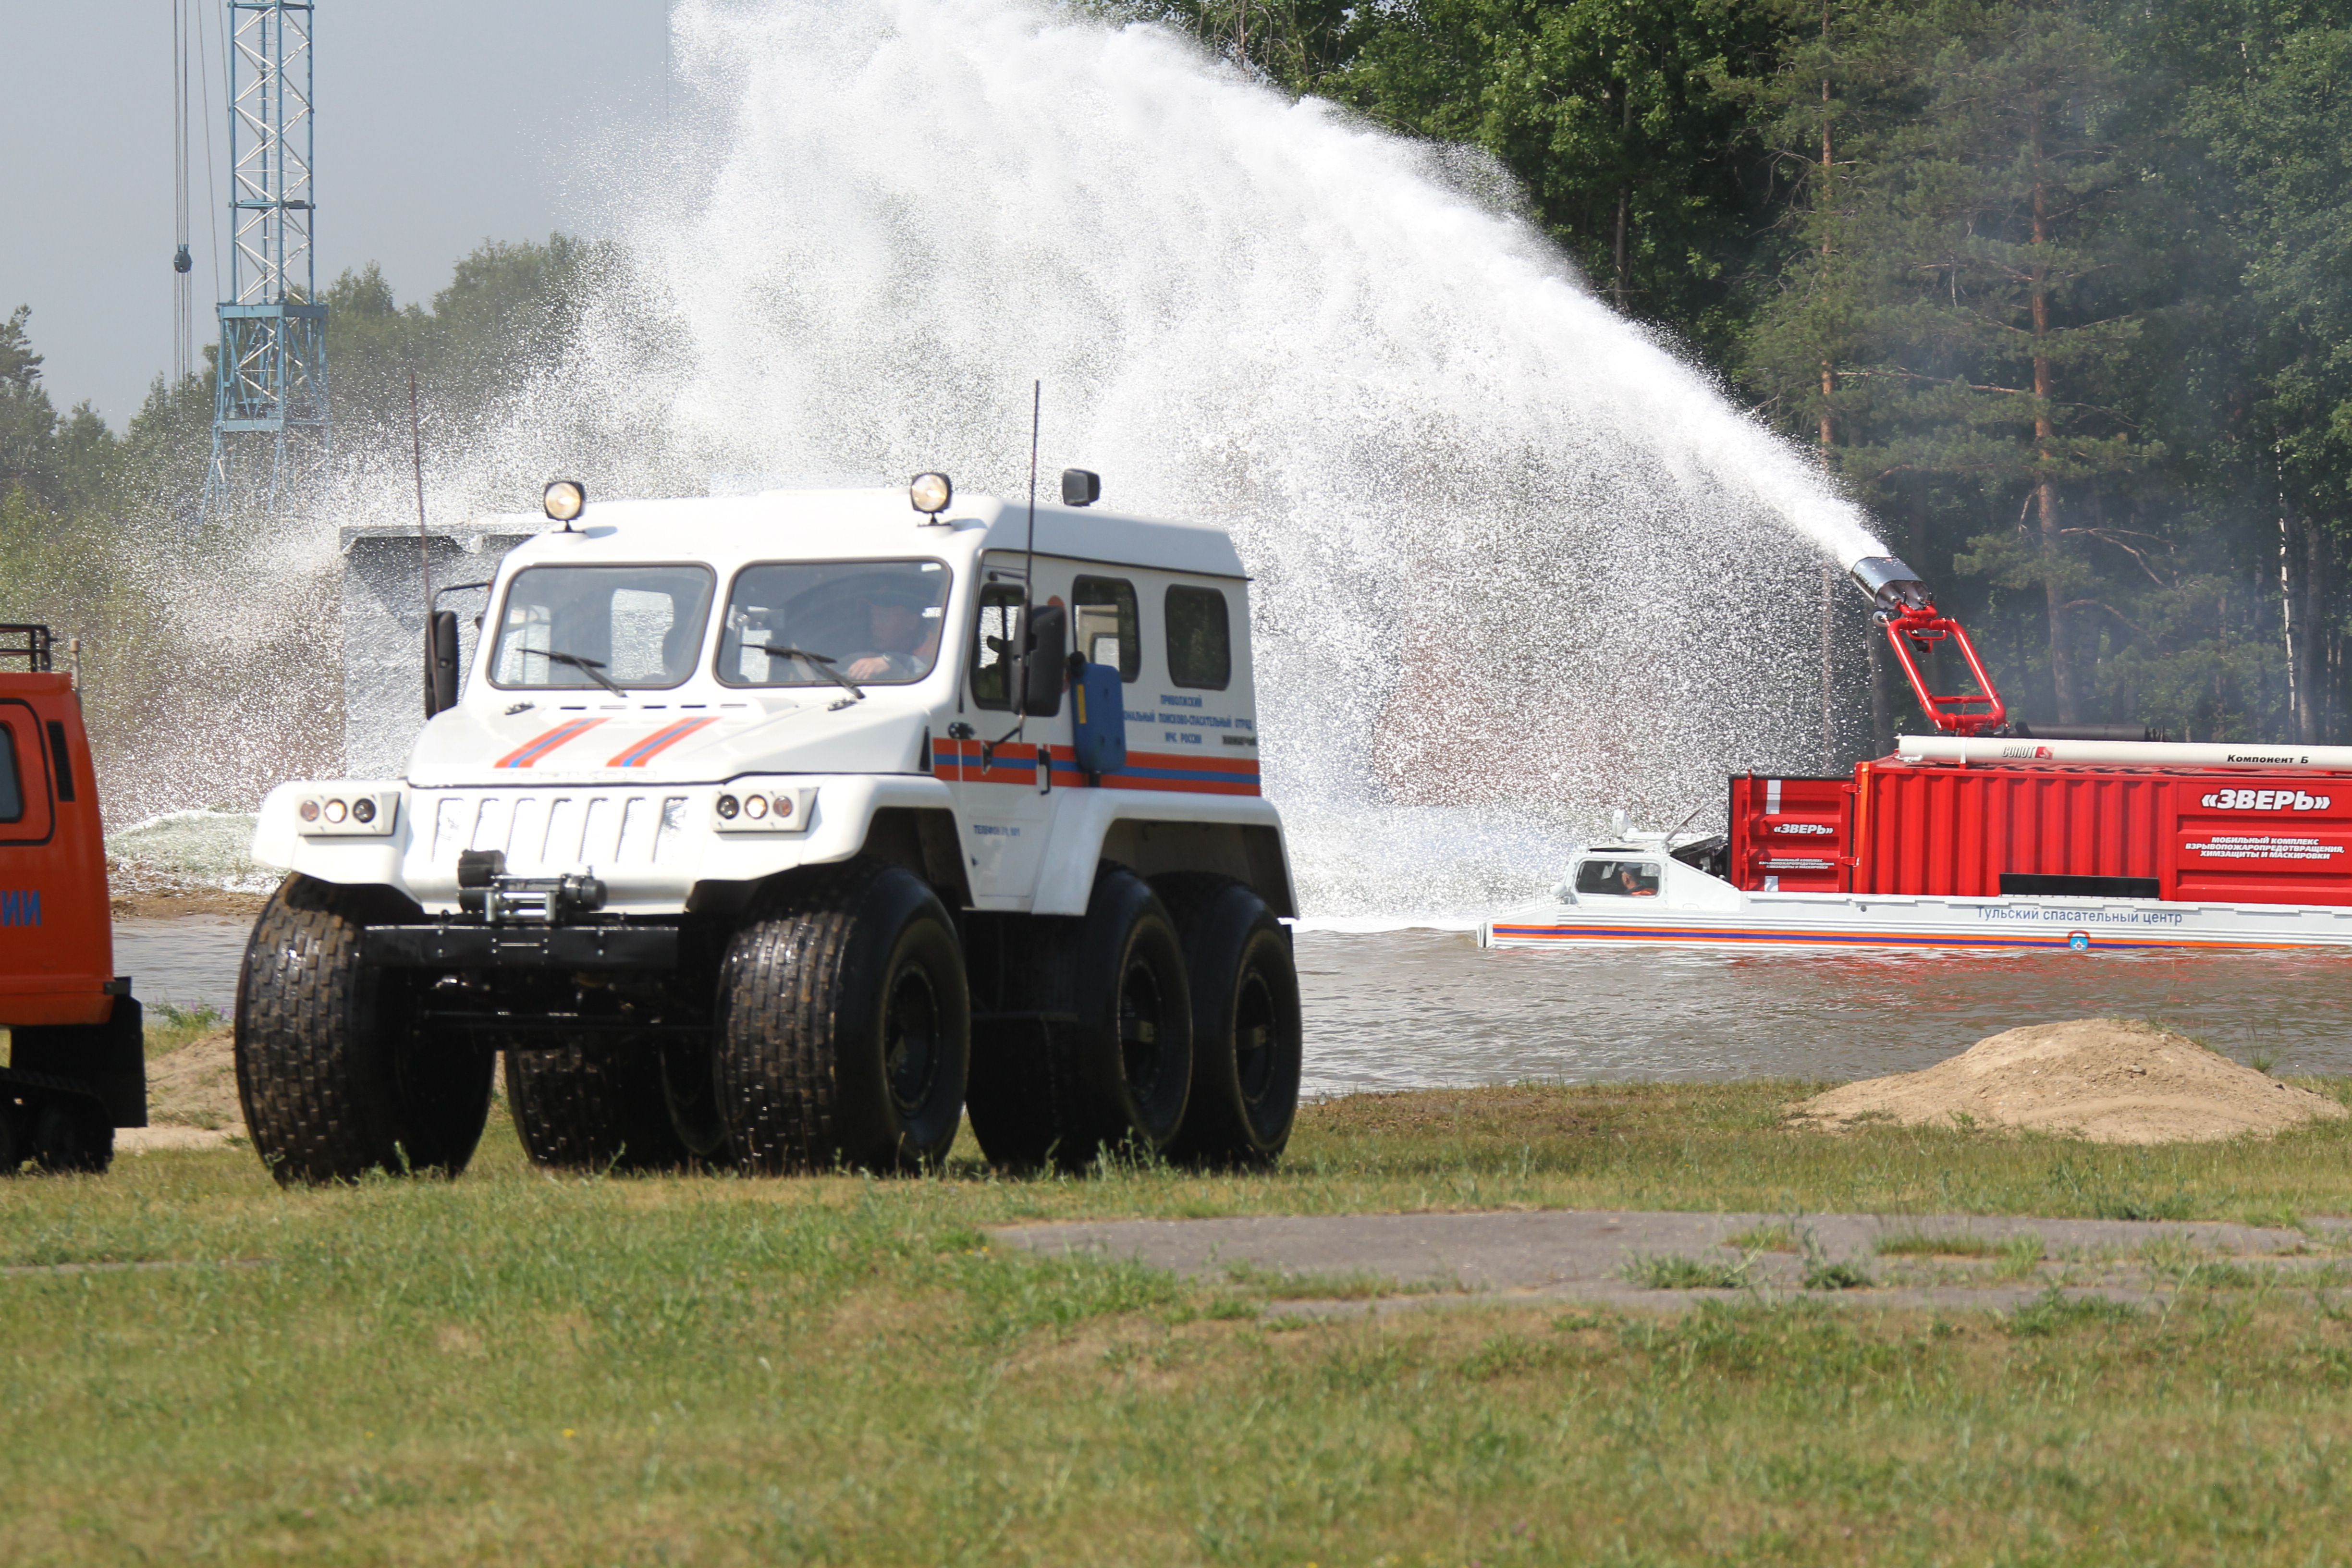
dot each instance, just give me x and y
(272, 383)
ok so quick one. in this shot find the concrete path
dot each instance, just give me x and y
(1605, 1256)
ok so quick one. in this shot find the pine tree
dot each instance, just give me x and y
(1972, 307)
(2276, 106)
(29, 422)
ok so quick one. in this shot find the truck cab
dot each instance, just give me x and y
(76, 1058)
(806, 820)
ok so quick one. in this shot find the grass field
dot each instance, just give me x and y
(514, 1368)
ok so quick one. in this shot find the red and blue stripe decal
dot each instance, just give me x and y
(657, 743)
(1739, 937)
(529, 753)
(1016, 764)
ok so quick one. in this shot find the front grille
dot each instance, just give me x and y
(544, 832)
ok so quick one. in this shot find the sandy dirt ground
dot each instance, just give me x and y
(165, 900)
(191, 1099)
(2110, 1080)
(1611, 1257)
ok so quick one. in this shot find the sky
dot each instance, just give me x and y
(440, 124)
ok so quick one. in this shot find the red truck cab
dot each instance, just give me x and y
(77, 1060)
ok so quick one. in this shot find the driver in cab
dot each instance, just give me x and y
(1617, 879)
(901, 640)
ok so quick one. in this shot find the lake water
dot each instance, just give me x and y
(1407, 1009)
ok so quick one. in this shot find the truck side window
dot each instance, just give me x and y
(12, 784)
(1109, 629)
(1200, 639)
(63, 756)
(995, 646)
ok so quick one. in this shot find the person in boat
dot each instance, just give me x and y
(1632, 884)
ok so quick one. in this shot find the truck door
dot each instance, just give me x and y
(37, 913)
(995, 776)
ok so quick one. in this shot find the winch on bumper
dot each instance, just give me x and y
(523, 923)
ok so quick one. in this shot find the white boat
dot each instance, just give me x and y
(1636, 892)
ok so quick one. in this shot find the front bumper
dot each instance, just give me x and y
(650, 844)
(565, 947)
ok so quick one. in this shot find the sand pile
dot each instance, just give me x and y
(191, 1098)
(2110, 1080)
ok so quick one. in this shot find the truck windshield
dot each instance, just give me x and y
(819, 623)
(614, 627)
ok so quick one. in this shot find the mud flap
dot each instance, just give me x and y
(108, 1060)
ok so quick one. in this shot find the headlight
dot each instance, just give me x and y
(565, 500)
(930, 493)
(348, 811)
(763, 809)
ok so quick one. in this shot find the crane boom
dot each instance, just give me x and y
(1906, 606)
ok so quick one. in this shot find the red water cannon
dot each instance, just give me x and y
(1915, 627)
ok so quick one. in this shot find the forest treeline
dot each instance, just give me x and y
(2061, 291)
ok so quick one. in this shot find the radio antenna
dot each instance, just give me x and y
(1029, 564)
(1028, 591)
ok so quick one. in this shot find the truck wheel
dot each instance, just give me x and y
(334, 1076)
(72, 1133)
(1116, 1075)
(689, 1087)
(1246, 1031)
(593, 1106)
(844, 1025)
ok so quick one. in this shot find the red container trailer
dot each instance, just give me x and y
(2028, 828)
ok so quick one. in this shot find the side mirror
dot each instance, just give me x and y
(1044, 659)
(441, 662)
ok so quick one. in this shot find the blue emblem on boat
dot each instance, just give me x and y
(2080, 942)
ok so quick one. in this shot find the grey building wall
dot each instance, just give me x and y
(383, 629)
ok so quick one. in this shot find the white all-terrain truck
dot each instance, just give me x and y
(777, 832)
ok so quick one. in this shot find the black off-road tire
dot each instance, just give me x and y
(334, 1076)
(1114, 1073)
(593, 1106)
(689, 1087)
(71, 1134)
(844, 1031)
(1247, 1034)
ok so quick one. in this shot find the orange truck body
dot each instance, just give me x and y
(77, 1060)
(57, 936)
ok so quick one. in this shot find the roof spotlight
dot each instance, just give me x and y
(930, 493)
(565, 500)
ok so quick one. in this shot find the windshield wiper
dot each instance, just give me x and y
(593, 669)
(824, 663)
